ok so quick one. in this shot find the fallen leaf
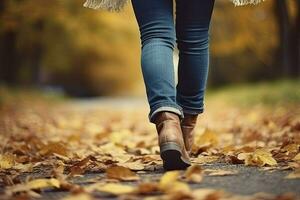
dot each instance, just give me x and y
(54, 147)
(168, 178)
(219, 172)
(121, 173)
(79, 167)
(34, 184)
(137, 165)
(23, 167)
(259, 157)
(207, 138)
(146, 188)
(207, 194)
(169, 183)
(82, 196)
(297, 157)
(294, 175)
(6, 161)
(111, 188)
(205, 159)
(291, 148)
(194, 174)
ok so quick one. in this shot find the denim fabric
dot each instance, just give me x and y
(159, 34)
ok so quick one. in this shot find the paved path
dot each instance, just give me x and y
(248, 180)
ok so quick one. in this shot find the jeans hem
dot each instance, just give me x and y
(191, 110)
(166, 107)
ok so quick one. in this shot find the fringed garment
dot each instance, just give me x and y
(117, 5)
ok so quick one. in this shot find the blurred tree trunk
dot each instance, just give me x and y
(36, 53)
(289, 35)
(8, 54)
(295, 43)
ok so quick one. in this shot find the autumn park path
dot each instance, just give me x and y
(87, 136)
(248, 180)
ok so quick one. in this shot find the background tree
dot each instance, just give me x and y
(87, 52)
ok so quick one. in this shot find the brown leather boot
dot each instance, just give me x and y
(172, 148)
(188, 124)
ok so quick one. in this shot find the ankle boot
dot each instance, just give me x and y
(171, 143)
(188, 124)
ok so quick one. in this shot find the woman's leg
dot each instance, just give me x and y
(157, 31)
(192, 31)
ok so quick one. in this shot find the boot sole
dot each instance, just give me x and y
(171, 154)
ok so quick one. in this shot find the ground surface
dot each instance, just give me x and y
(251, 151)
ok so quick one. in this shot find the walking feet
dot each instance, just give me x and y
(171, 143)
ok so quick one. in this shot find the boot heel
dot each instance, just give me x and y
(171, 155)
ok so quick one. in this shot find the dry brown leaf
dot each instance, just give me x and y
(207, 194)
(194, 174)
(259, 157)
(294, 175)
(79, 167)
(54, 147)
(219, 172)
(121, 173)
(146, 188)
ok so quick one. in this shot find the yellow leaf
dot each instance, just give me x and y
(168, 178)
(43, 183)
(205, 159)
(265, 156)
(294, 175)
(207, 138)
(259, 157)
(6, 161)
(219, 172)
(121, 173)
(137, 165)
(24, 167)
(291, 148)
(297, 157)
(179, 187)
(194, 174)
(82, 196)
(34, 184)
(112, 188)
(169, 183)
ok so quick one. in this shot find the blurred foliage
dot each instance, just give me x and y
(88, 52)
(65, 44)
(280, 92)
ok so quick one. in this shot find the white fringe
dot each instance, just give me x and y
(110, 5)
(245, 2)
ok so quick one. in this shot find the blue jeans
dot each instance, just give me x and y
(158, 37)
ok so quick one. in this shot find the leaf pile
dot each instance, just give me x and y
(62, 141)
